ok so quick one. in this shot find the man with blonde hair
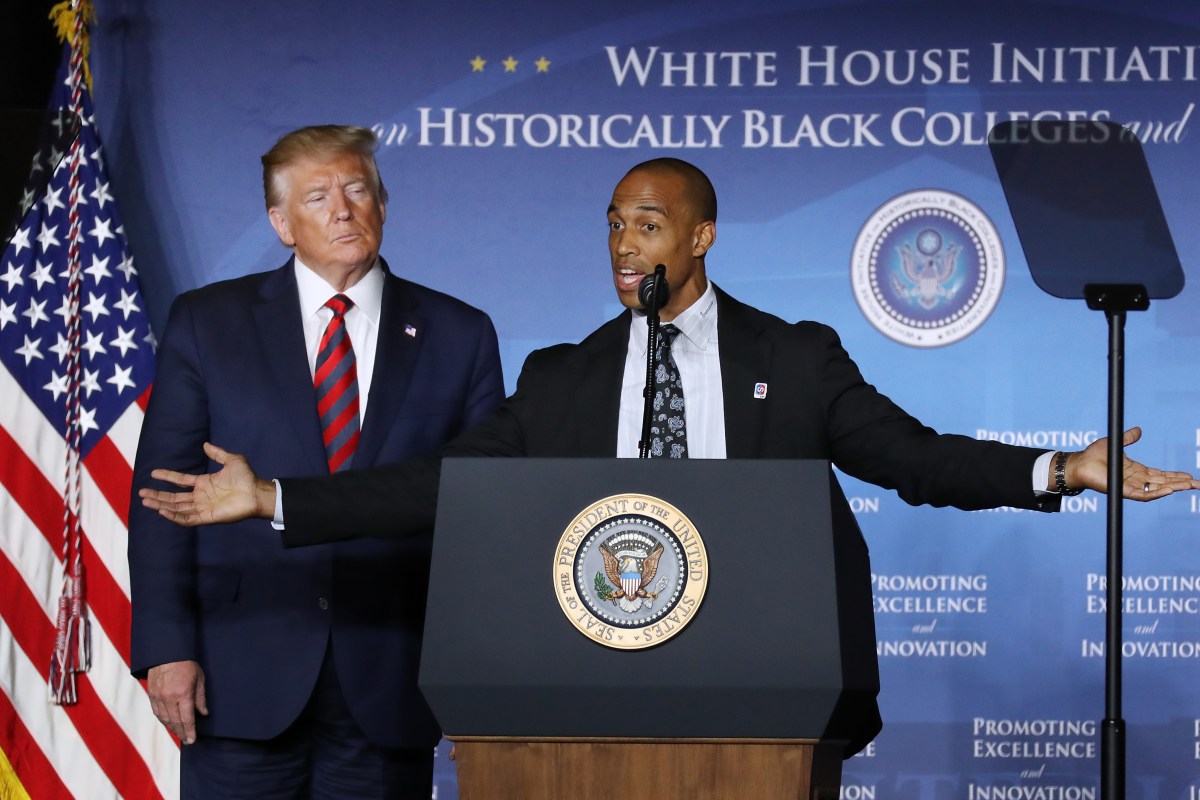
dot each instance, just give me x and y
(294, 674)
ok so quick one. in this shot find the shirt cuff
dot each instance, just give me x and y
(277, 522)
(1041, 478)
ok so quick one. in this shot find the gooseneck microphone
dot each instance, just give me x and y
(653, 294)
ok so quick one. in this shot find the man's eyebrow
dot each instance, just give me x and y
(656, 209)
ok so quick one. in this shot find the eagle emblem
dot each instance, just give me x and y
(928, 268)
(631, 569)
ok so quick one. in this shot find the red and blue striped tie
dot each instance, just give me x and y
(336, 382)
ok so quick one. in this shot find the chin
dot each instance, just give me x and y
(629, 299)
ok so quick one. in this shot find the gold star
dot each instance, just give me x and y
(543, 64)
(510, 64)
(477, 64)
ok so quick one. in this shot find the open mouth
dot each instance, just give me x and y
(628, 278)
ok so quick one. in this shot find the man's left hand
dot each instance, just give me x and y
(1089, 468)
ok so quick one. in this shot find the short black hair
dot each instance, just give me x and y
(699, 188)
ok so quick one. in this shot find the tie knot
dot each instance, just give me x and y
(340, 304)
(668, 332)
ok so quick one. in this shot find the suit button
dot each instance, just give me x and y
(322, 603)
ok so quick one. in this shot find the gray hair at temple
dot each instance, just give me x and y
(318, 142)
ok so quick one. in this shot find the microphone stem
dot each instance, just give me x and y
(651, 364)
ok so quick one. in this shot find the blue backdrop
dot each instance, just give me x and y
(503, 130)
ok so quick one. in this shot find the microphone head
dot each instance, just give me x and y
(646, 289)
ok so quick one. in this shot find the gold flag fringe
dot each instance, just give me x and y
(65, 15)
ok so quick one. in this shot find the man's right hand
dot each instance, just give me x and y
(231, 494)
(176, 694)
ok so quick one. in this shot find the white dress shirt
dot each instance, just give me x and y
(362, 321)
(362, 325)
(699, 361)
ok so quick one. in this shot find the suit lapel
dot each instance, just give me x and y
(395, 361)
(599, 376)
(745, 362)
(281, 335)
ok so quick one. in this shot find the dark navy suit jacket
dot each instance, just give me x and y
(232, 369)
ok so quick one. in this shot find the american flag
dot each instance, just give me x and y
(106, 743)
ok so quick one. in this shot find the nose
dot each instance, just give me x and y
(623, 243)
(339, 206)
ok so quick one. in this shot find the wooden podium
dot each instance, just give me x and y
(495, 768)
(770, 684)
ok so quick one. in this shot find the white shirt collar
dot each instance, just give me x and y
(697, 323)
(367, 294)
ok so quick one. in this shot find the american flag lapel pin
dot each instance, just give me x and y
(410, 330)
(760, 391)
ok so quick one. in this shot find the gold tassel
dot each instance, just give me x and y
(63, 17)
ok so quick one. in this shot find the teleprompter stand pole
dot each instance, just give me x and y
(1092, 228)
(1115, 300)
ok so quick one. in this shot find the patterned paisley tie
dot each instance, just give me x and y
(668, 435)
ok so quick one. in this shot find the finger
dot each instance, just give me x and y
(175, 719)
(1146, 490)
(1172, 476)
(160, 498)
(1135, 472)
(201, 696)
(177, 512)
(171, 476)
(160, 712)
(149, 502)
(187, 721)
(1132, 435)
(217, 454)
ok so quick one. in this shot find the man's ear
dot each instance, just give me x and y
(280, 224)
(704, 237)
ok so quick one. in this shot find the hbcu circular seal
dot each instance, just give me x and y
(927, 268)
(630, 571)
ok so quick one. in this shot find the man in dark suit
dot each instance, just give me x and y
(753, 386)
(302, 665)
(586, 400)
